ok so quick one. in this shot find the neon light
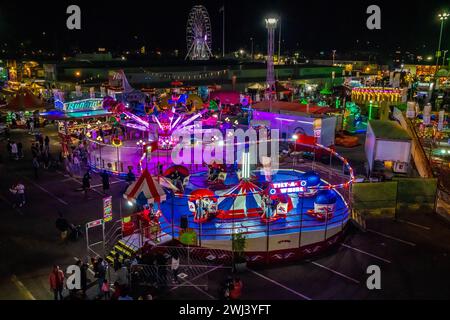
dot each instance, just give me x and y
(80, 105)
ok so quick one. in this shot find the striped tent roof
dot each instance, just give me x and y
(243, 200)
(148, 186)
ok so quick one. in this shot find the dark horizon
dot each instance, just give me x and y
(306, 26)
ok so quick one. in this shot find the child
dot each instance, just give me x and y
(105, 290)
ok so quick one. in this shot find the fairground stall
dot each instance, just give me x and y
(78, 119)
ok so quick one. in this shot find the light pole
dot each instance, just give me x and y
(443, 59)
(443, 17)
(251, 39)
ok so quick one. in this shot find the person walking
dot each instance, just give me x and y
(62, 225)
(56, 280)
(19, 191)
(35, 164)
(105, 181)
(14, 151)
(76, 165)
(86, 183)
(174, 266)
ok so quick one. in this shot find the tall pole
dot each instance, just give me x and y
(271, 25)
(438, 53)
(251, 39)
(223, 31)
(279, 43)
(442, 16)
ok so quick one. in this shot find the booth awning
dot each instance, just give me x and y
(148, 186)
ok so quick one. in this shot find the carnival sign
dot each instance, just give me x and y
(107, 209)
(288, 187)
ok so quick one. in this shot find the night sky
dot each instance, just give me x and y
(308, 25)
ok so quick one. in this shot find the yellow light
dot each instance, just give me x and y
(77, 73)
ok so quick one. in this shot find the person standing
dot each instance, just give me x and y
(106, 290)
(31, 126)
(105, 181)
(236, 291)
(36, 167)
(160, 168)
(47, 144)
(56, 280)
(20, 150)
(83, 276)
(100, 274)
(130, 176)
(9, 148)
(174, 266)
(76, 164)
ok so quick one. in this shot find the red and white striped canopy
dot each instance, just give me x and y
(147, 185)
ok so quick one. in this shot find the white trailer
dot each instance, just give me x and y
(388, 142)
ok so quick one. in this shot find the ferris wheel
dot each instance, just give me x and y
(198, 34)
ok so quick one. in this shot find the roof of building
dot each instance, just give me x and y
(389, 130)
(283, 106)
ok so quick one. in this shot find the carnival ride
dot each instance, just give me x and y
(198, 34)
(217, 200)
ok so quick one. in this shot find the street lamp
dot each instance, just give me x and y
(443, 17)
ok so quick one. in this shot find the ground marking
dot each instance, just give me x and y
(364, 252)
(46, 191)
(392, 238)
(334, 271)
(280, 285)
(11, 204)
(198, 276)
(414, 224)
(22, 287)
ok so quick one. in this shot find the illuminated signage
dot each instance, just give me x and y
(107, 209)
(288, 187)
(80, 105)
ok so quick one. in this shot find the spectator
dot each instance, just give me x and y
(47, 144)
(175, 265)
(56, 280)
(236, 291)
(116, 292)
(105, 290)
(20, 150)
(100, 274)
(83, 276)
